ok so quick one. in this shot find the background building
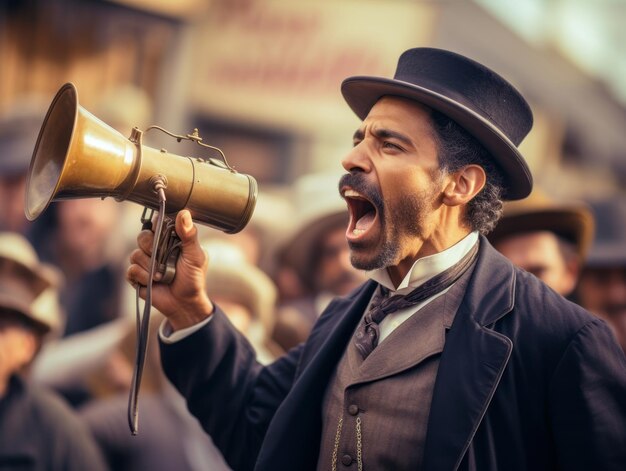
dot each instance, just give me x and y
(260, 78)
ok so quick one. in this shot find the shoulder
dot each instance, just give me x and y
(67, 441)
(544, 326)
(544, 306)
(52, 411)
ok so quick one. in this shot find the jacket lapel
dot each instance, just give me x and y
(472, 362)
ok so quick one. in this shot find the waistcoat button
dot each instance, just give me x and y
(346, 460)
(353, 409)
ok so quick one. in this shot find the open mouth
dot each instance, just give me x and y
(363, 214)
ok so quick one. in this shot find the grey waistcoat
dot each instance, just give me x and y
(376, 410)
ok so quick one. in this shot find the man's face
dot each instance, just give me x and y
(85, 227)
(393, 186)
(603, 292)
(18, 345)
(539, 253)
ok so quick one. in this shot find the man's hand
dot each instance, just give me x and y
(184, 302)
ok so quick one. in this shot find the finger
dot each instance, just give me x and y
(137, 275)
(139, 257)
(188, 233)
(184, 227)
(144, 241)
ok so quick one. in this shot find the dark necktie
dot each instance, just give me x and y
(366, 336)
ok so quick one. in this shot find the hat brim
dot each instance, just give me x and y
(607, 255)
(23, 309)
(574, 224)
(362, 92)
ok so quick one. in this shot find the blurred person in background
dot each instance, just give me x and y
(314, 259)
(546, 238)
(38, 430)
(168, 437)
(18, 133)
(248, 294)
(260, 239)
(83, 243)
(602, 285)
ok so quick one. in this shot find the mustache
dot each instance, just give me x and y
(358, 182)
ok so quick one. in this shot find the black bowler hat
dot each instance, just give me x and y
(478, 99)
(609, 245)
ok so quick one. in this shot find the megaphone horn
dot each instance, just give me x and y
(79, 156)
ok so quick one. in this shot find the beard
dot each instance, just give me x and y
(404, 219)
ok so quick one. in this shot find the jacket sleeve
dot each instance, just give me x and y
(588, 402)
(227, 390)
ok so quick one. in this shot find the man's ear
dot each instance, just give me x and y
(464, 184)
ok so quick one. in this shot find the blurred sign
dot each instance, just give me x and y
(282, 63)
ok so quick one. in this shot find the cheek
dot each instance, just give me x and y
(398, 183)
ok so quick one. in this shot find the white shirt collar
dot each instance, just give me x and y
(425, 268)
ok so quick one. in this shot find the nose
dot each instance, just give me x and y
(357, 159)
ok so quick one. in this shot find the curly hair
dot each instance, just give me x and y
(456, 149)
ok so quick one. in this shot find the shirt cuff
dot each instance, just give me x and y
(167, 335)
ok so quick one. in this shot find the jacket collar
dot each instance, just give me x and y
(472, 363)
(495, 273)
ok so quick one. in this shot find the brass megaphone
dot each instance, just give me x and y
(79, 156)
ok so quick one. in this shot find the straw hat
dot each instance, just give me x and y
(573, 221)
(609, 245)
(28, 286)
(231, 276)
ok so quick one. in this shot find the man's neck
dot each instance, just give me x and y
(425, 267)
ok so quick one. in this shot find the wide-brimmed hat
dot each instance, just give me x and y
(475, 97)
(572, 221)
(25, 281)
(233, 277)
(609, 245)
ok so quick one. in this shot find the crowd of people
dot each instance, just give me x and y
(67, 327)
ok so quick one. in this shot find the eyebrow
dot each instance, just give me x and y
(384, 134)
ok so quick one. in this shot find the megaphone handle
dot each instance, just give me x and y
(143, 323)
(168, 251)
(168, 248)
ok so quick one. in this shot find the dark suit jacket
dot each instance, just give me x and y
(527, 381)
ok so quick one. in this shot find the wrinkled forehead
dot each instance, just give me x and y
(397, 107)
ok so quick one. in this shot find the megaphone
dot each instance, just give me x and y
(79, 156)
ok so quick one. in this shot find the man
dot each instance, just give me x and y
(545, 238)
(602, 285)
(482, 368)
(37, 429)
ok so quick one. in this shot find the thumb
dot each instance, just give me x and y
(184, 226)
(188, 234)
